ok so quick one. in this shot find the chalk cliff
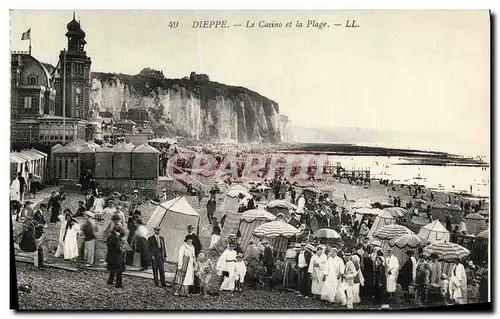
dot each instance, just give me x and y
(192, 107)
(286, 129)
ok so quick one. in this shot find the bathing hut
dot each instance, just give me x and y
(475, 223)
(434, 232)
(66, 162)
(28, 161)
(86, 157)
(145, 162)
(440, 212)
(103, 163)
(122, 159)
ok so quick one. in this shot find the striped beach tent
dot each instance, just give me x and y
(277, 232)
(389, 232)
(250, 220)
(475, 223)
(231, 225)
(404, 243)
(381, 221)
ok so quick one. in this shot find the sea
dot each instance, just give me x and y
(441, 178)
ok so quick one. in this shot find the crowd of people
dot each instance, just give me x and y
(350, 271)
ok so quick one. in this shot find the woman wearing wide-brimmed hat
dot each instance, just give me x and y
(185, 268)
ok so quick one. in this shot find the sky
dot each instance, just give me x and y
(417, 71)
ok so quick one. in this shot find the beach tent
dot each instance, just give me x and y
(231, 225)
(475, 223)
(434, 232)
(250, 220)
(232, 201)
(173, 217)
(440, 212)
(380, 221)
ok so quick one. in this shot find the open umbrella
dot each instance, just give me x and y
(396, 212)
(448, 252)
(419, 200)
(257, 214)
(484, 234)
(312, 190)
(362, 203)
(326, 233)
(369, 211)
(238, 187)
(389, 232)
(483, 212)
(235, 193)
(408, 240)
(281, 204)
(475, 216)
(454, 207)
(276, 229)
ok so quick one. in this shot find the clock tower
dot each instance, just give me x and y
(74, 74)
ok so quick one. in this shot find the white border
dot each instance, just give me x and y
(205, 5)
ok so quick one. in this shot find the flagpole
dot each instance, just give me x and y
(30, 46)
(64, 96)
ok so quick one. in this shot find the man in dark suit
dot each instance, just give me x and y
(293, 221)
(303, 259)
(158, 254)
(89, 200)
(115, 258)
(268, 262)
(196, 240)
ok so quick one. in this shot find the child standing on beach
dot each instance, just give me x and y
(204, 268)
(240, 270)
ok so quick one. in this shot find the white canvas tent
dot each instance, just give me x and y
(173, 217)
(381, 220)
(435, 232)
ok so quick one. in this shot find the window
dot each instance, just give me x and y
(27, 102)
(32, 80)
(77, 100)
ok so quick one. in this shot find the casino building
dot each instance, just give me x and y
(37, 90)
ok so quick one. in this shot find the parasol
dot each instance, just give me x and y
(275, 229)
(238, 187)
(484, 234)
(396, 212)
(454, 207)
(419, 200)
(389, 232)
(257, 214)
(326, 233)
(369, 211)
(475, 216)
(483, 212)
(235, 193)
(281, 204)
(408, 240)
(448, 252)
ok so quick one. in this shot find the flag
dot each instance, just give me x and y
(26, 35)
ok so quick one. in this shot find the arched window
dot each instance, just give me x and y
(32, 80)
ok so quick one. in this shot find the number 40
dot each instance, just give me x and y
(173, 24)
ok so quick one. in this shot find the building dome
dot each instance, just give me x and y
(74, 28)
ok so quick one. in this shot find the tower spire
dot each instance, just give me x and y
(73, 15)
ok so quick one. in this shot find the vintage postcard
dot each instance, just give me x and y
(250, 160)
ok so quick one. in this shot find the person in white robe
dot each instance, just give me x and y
(240, 272)
(350, 273)
(68, 238)
(98, 208)
(301, 203)
(108, 215)
(359, 280)
(392, 271)
(332, 277)
(226, 267)
(316, 268)
(185, 267)
(458, 283)
(15, 190)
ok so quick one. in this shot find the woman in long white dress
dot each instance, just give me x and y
(185, 268)
(316, 267)
(333, 277)
(226, 267)
(68, 235)
(458, 283)
(108, 215)
(358, 279)
(98, 207)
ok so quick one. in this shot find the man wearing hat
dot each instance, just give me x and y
(268, 262)
(392, 269)
(458, 283)
(158, 255)
(349, 273)
(293, 220)
(89, 229)
(316, 268)
(303, 259)
(290, 274)
(109, 211)
(196, 240)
